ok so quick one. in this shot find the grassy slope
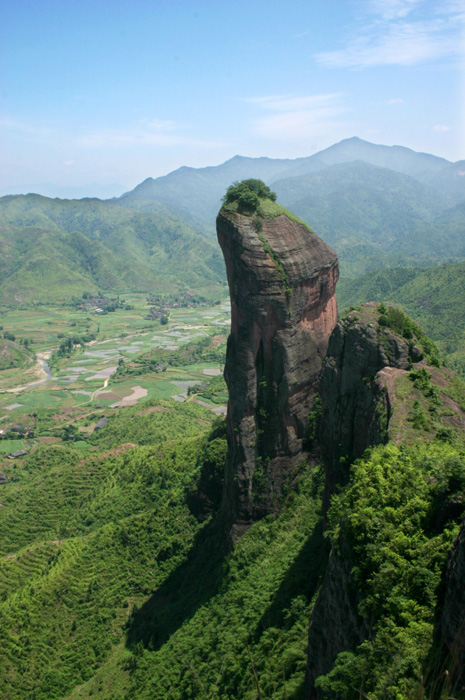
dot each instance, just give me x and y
(80, 541)
(13, 355)
(111, 588)
(89, 540)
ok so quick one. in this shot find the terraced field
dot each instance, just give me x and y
(80, 542)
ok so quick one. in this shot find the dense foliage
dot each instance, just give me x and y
(112, 584)
(392, 518)
(247, 194)
(115, 580)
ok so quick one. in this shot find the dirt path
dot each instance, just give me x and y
(105, 384)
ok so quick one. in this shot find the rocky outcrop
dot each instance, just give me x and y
(282, 281)
(357, 389)
(357, 394)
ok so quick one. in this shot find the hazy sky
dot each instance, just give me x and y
(114, 92)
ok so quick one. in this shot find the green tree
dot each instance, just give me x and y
(247, 194)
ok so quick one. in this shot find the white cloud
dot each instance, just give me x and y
(441, 127)
(147, 132)
(393, 9)
(127, 137)
(114, 138)
(394, 101)
(401, 32)
(160, 124)
(403, 44)
(295, 117)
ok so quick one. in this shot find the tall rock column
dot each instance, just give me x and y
(282, 281)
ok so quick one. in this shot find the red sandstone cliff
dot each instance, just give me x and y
(282, 281)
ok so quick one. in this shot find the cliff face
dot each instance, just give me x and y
(357, 389)
(335, 624)
(452, 619)
(282, 281)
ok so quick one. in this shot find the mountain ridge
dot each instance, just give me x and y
(143, 247)
(217, 178)
(374, 215)
(195, 194)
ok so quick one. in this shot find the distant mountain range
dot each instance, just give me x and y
(377, 206)
(49, 189)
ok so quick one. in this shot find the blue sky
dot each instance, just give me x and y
(93, 93)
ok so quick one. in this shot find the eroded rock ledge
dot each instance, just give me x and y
(282, 281)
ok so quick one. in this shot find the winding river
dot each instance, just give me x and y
(43, 368)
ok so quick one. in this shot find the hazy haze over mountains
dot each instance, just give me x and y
(198, 191)
(377, 206)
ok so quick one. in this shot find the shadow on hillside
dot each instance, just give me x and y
(302, 579)
(187, 588)
(199, 578)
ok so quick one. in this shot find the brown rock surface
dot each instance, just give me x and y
(357, 389)
(282, 281)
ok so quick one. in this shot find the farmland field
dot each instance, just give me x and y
(131, 360)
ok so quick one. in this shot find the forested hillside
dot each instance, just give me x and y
(116, 583)
(98, 246)
(377, 206)
(309, 546)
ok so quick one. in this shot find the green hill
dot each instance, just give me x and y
(369, 215)
(117, 579)
(45, 265)
(377, 206)
(56, 248)
(13, 354)
(194, 194)
(115, 583)
(197, 192)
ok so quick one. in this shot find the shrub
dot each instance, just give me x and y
(247, 194)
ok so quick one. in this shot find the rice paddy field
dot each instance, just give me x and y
(132, 360)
